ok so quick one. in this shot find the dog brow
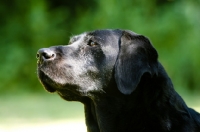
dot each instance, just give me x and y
(92, 35)
(74, 38)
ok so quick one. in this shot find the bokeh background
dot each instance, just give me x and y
(173, 27)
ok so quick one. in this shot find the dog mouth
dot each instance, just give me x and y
(47, 82)
(68, 92)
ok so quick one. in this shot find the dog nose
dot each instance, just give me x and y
(45, 54)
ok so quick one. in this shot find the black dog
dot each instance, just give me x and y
(116, 75)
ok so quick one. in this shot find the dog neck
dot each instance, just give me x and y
(98, 115)
(110, 109)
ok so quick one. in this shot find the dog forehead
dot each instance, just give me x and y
(106, 33)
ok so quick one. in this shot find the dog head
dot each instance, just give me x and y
(92, 59)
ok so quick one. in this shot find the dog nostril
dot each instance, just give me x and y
(45, 54)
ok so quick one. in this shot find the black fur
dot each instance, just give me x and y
(117, 76)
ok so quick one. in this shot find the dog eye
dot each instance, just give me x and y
(92, 43)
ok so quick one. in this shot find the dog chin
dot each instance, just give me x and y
(46, 82)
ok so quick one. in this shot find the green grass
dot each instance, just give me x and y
(38, 107)
(40, 112)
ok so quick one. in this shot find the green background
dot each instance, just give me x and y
(173, 26)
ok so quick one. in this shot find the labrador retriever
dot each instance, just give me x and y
(117, 76)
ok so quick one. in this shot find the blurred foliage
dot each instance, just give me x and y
(173, 27)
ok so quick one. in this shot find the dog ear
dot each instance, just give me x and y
(136, 57)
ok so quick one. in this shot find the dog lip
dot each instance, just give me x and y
(48, 87)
